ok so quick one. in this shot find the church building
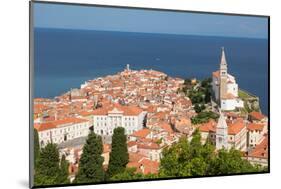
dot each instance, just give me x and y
(225, 88)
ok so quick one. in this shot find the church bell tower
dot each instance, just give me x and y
(223, 76)
(221, 133)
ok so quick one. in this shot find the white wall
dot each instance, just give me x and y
(14, 68)
(129, 123)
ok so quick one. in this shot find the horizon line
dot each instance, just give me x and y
(156, 33)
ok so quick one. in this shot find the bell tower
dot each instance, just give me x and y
(221, 133)
(223, 75)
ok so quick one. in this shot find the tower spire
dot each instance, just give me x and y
(223, 59)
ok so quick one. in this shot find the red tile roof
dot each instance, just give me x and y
(257, 115)
(167, 127)
(236, 127)
(135, 157)
(261, 150)
(151, 146)
(131, 143)
(209, 126)
(141, 133)
(149, 166)
(126, 110)
(58, 123)
(255, 126)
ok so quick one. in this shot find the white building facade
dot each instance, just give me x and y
(60, 131)
(105, 120)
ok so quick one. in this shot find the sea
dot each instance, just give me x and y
(64, 59)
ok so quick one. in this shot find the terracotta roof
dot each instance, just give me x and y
(209, 126)
(125, 110)
(141, 133)
(86, 113)
(261, 150)
(131, 143)
(255, 126)
(257, 115)
(235, 127)
(167, 127)
(151, 145)
(135, 157)
(149, 166)
(58, 123)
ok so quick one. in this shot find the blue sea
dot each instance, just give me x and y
(64, 59)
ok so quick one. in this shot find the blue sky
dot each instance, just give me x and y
(149, 21)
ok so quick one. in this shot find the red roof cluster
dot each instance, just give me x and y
(58, 123)
(261, 150)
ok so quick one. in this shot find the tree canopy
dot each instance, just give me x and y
(195, 159)
(204, 117)
(119, 156)
(47, 168)
(90, 165)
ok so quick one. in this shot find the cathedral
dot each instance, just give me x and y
(225, 88)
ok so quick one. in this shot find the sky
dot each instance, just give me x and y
(148, 21)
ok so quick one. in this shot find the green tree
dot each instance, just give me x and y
(63, 176)
(127, 174)
(47, 169)
(119, 156)
(90, 165)
(194, 159)
(230, 162)
(36, 146)
(204, 117)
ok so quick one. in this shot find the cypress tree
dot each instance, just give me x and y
(119, 156)
(63, 176)
(47, 169)
(90, 165)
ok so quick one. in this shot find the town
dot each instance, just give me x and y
(156, 112)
